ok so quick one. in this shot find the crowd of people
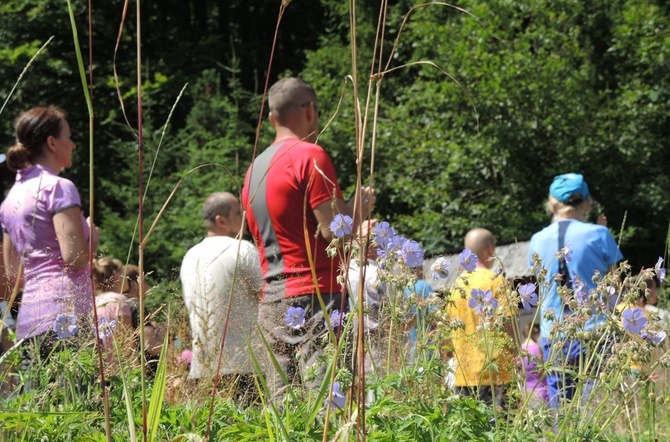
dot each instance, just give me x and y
(283, 293)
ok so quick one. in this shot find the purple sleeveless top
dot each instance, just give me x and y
(27, 217)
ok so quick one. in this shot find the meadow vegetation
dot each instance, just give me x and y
(458, 117)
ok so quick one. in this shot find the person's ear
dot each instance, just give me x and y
(312, 112)
(221, 222)
(273, 120)
(51, 143)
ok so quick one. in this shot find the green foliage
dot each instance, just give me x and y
(538, 88)
(215, 139)
(402, 415)
(59, 397)
(543, 88)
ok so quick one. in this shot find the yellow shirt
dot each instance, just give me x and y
(474, 348)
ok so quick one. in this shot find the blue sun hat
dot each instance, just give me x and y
(570, 189)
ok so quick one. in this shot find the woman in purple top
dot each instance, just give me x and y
(45, 230)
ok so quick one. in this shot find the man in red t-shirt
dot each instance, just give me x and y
(291, 195)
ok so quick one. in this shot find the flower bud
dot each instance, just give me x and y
(652, 396)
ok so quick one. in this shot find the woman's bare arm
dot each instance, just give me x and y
(71, 239)
(11, 261)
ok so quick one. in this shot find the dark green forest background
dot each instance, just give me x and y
(558, 85)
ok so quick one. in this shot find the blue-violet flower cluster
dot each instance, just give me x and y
(105, 328)
(336, 318)
(440, 268)
(482, 301)
(337, 399)
(295, 317)
(65, 326)
(634, 320)
(528, 295)
(341, 225)
(392, 245)
(660, 271)
(468, 260)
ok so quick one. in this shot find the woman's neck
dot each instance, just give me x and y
(49, 164)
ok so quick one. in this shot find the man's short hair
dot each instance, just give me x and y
(288, 95)
(218, 203)
(479, 240)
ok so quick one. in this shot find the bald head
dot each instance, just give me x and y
(218, 203)
(287, 97)
(482, 243)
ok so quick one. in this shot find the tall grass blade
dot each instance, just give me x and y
(89, 105)
(23, 72)
(153, 165)
(127, 394)
(273, 360)
(264, 392)
(158, 391)
(28, 415)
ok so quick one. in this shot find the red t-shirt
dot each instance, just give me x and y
(283, 186)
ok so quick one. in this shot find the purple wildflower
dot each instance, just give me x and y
(658, 337)
(440, 268)
(660, 271)
(482, 301)
(567, 252)
(295, 317)
(105, 327)
(612, 297)
(634, 320)
(341, 225)
(336, 318)
(383, 234)
(412, 253)
(468, 260)
(65, 326)
(578, 288)
(528, 295)
(655, 337)
(395, 246)
(337, 398)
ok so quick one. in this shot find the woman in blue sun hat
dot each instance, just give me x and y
(576, 250)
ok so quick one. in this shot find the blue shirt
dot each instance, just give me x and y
(593, 249)
(422, 289)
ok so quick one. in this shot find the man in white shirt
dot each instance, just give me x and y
(213, 271)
